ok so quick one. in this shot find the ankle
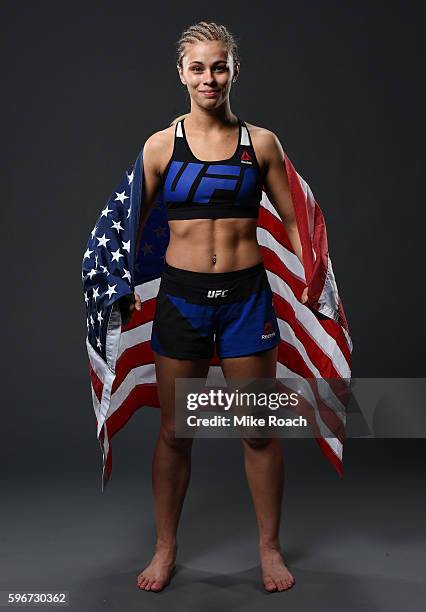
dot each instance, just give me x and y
(270, 544)
(166, 546)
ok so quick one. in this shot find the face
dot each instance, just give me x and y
(208, 71)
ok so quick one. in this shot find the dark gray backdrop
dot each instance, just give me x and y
(85, 83)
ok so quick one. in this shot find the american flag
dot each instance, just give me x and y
(315, 339)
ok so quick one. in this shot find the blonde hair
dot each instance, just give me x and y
(201, 31)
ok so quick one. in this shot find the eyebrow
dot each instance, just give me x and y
(216, 62)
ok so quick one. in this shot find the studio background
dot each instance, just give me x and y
(84, 85)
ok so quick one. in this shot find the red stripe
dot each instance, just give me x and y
(332, 328)
(141, 396)
(144, 315)
(289, 356)
(272, 224)
(331, 456)
(97, 383)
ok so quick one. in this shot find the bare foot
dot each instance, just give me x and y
(275, 574)
(157, 574)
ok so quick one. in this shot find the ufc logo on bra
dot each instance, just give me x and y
(212, 293)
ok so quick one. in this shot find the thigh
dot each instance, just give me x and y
(167, 370)
(258, 365)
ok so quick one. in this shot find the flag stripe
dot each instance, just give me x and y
(121, 360)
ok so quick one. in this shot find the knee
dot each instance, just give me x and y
(168, 436)
(257, 443)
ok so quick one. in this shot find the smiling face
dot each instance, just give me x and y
(208, 70)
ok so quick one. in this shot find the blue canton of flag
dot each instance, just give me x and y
(106, 263)
(109, 271)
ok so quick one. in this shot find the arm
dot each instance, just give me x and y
(278, 191)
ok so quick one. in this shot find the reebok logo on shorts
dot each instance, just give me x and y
(213, 293)
(268, 331)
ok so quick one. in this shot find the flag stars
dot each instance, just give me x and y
(96, 293)
(121, 196)
(87, 254)
(111, 290)
(98, 343)
(105, 211)
(86, 297)
(93, 232)
(116, 255)
(126, 275)
(100, 317)
(160, 231)
(130, 177)
(92, 273)
(126, 246)
(128, 212)
(117, 226)
(103, 240)
(92, 322)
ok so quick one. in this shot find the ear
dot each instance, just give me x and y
(182, 80)
(236, 72)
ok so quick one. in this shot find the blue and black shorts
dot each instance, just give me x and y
(196, 309)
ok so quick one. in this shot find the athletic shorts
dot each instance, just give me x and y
(195, 310)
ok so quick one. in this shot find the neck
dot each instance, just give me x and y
(204, 120)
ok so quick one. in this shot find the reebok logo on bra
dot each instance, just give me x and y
(268, 331)
(213, 293)
(246, 158)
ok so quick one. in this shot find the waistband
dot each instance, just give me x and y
(197, 286)
(208, 277)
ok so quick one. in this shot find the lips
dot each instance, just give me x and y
(210, 94)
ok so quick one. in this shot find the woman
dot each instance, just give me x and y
(211, 166)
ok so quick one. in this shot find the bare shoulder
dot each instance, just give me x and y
(265, 142)
(158, 148)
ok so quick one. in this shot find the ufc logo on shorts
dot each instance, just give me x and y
(212, 293)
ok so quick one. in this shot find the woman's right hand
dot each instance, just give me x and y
(127, 305)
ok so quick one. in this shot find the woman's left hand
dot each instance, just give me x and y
(304, 297)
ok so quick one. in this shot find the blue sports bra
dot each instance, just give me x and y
(196, 189)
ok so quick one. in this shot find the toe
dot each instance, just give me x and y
(157, 585)
(269, 584)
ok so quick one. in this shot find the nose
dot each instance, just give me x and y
(209, 77)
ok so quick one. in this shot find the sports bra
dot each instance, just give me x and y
(196, 189)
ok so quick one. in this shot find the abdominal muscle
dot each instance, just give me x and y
(213, 245)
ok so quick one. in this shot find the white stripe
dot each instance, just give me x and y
(326, 343)
(292, 262)
(107, 377)
(333, 442)
(324, 390)
(136, 376)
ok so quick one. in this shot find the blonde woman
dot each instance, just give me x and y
(211, 166)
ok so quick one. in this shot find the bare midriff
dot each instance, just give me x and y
(213, 245)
